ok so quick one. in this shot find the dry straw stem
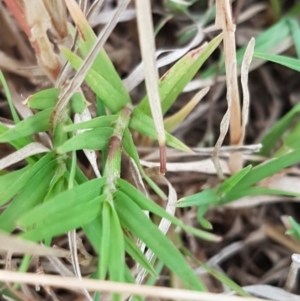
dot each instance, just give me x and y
(147, 45)
(115, 287)
(225, 22)
(68, 90)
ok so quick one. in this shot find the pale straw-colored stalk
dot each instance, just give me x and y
(147, 45)
(116, 287)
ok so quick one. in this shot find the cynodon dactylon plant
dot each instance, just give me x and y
(51, 196)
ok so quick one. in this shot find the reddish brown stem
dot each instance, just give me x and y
(163, 159)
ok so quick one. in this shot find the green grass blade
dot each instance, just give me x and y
(95, 139)
(68, 210)
(78, 103)
(112, 97)
(269, 168)
(135, 220)
(105, 246)
(8, 180)
(39, 122)
(102, 64)
(172, 84)
(205, 197)
(230, 183)
(136, 254)
(80, 178)
(254, 191)
(145, 125)
(117, 248)
(295, 230)
(15, 186)
(47, 99)
(44, 99)
(223, 278)
(26, 199)
(102, 121)
(146, 204)
(201, 211)
(13, 111)
(295, 29)
(271, 138)
(285, 61)
(130, 149)
(291, 140)
(64, 217)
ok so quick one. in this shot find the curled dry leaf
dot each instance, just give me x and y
(236, 160)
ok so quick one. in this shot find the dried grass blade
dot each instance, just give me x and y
(244, 80)
(147, 45)
(173, 121)
(17, 245)
(203, 166)
(75, 263)
(27, 151)
(223, 131)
